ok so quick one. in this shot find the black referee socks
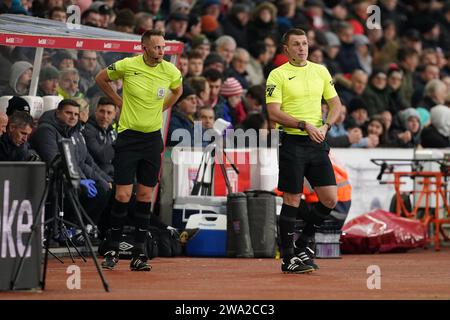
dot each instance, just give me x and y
(117, 219)
(322, 212)
(317, 215)
(313, 218)
(142, 220)
(287, 229)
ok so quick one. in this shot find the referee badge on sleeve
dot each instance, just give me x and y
(269, 90)
(161, 93)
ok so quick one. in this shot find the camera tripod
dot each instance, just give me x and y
(59, 184)
(209, 157)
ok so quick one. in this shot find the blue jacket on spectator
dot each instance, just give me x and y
(178, 120)
(222, 110)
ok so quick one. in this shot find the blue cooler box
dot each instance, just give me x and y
(184, 207)
(211, 238)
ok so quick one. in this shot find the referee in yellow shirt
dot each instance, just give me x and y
(150, 86)
(293, 94)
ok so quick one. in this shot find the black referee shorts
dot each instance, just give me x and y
(137, 155)
(301, 157)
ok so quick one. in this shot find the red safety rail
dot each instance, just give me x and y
(432, 186)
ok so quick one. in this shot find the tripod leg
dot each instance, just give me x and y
(196, 188)
(47, 245)
(67, 241)
(72, 197)
(33, 231)
(231, 162)
(225, 177)
(84, 213)
(76, 249)
(86, 216)
(56, 257)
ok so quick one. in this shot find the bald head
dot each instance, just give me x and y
(240, 60)
(436, 90)
(225, 47)
(359, 81)
(3, 122)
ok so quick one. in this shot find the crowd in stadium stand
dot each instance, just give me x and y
(392, 71)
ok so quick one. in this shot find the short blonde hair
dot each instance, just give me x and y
(82, 102)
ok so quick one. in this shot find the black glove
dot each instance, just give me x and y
(33, 156)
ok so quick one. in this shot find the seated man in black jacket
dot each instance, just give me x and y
(14, 143)
(100, 135)
(63, 123)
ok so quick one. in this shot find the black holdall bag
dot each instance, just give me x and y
(261, 208)
(168, 242)
(127, 244)
(159, 243)
(239, 243)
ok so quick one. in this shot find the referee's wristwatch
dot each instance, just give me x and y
(328, 126)
(301, 125)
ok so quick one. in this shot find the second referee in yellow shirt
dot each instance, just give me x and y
(294, 93)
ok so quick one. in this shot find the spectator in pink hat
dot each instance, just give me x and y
(233, 110)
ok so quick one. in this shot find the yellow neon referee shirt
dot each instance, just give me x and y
(144, 90)
(300, 91)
